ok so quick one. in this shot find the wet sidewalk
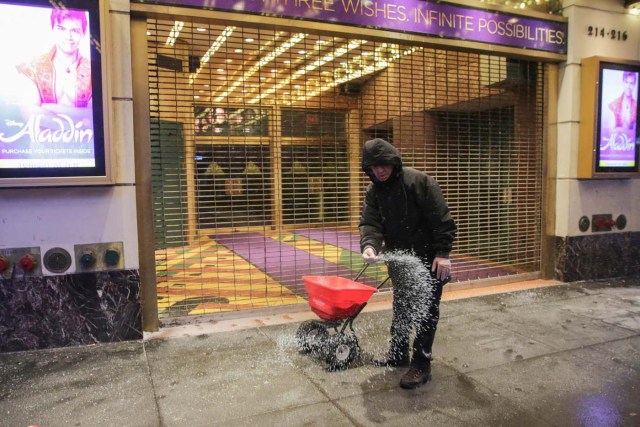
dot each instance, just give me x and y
(565, 355)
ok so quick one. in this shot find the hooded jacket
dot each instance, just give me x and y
(407, 211)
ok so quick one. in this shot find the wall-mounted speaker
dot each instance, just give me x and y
(169, 62)
(351, 89)
(194, 63)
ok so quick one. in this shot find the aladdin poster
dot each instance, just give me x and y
(618, 118)
(46, 108)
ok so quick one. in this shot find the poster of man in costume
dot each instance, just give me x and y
(618, 117)
(46, 109)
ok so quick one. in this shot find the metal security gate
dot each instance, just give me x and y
(256, 156)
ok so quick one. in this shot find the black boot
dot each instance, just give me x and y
(420, 370)
(416, 375)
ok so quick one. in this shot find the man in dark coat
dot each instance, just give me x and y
(405, 221)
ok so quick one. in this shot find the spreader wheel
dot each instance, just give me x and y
(311, 335)
(340, 350)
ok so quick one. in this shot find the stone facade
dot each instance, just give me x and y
(597, 256)
(62, 311)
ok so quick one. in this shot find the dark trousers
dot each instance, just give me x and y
(416, 308)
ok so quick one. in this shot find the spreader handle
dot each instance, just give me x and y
(383, 282)
(362, 270)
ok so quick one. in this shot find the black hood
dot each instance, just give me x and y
(380, 152)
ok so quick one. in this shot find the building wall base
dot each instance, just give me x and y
(76, 309)
(597, 256)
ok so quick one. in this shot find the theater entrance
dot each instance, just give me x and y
(256, 158)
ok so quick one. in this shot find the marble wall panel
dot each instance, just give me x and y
(76, 309)
(598, 256)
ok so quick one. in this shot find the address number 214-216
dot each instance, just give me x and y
(606, 33)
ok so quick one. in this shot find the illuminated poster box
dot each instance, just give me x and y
(609, 134)
(52, 118)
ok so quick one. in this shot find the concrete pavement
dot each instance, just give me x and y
(564, 355)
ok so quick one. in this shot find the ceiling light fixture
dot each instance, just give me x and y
(282, 48)
(633, 6)
(383, 57)
(174, 33)
(211, 51)
(310, 67)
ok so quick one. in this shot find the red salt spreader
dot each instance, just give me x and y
(337, 301)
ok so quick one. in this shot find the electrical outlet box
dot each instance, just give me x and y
(58, 260)
(602, 222)
(16, 262)
(99, 256)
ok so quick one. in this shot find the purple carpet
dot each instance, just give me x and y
(282, 262)
(464, 270)
(286, 264)
(341, 239)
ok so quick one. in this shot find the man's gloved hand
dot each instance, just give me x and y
(369, 255)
